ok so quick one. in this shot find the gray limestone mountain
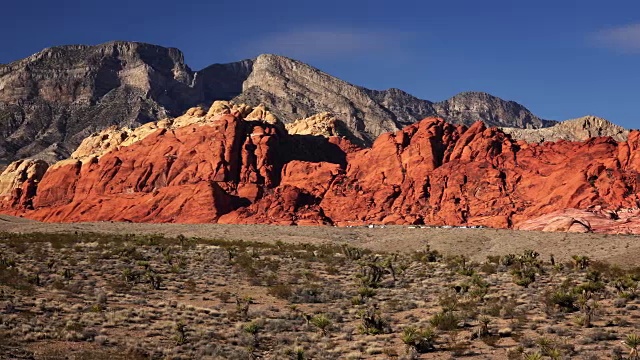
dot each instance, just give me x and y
(294, 90)
(50, 101)
(468, 107)
(578, 129)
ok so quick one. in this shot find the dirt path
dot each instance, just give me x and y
(475, 243)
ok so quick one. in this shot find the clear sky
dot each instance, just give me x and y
(561, 59)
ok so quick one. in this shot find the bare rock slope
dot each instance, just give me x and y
(572, 130)
(294, 90)
(52, 100)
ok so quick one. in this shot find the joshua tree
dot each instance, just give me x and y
(588, 306)
(372, 322)
(154, 279)
(484, 326)
(371, 272)
(351, 253)
(580, 261)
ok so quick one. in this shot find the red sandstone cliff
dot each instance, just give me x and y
(233, 171)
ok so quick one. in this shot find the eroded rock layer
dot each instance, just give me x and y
(223, 167)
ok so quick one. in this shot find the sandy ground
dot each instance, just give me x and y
(623, 250)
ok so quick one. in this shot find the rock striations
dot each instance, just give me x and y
(219, 166)
(52, 100)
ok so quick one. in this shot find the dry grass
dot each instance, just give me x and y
(94, 296)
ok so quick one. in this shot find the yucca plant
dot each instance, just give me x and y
(632, 342)
(421, 340)
(533, 356)
(322, 322)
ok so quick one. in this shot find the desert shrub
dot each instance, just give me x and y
(580, 261)
(562, 298)
(632, 342)
(420, 340)
(372, 322)
(10, 276)
(366, 292)
(427, 255)
(445, 321)
(590, 287)
(322, 322)
(281, 291)
(489, 268)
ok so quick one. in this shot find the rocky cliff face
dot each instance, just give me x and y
(469, 107)
(52, 100)
(218, 167)
(294, 90)
(572, 130)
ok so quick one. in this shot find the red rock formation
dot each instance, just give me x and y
(190, 174)
(234, 171)
(434, 173)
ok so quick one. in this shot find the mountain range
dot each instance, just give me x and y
(128, 132)
(53, 99)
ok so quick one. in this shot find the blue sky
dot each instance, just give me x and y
(561, 59)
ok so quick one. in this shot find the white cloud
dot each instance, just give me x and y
(625, 38)
(319, 44)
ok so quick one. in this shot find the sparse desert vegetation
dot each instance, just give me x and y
(109, 296)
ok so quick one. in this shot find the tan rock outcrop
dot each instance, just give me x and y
(223, 107)
(260, 113)
(113, 137)
(323, 124)
(20, 171)
(596, 219)
(572, 130)
(19, 181)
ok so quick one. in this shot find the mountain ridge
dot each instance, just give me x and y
(53, 99)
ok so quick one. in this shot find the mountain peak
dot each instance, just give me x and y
(64, 93)
(471, 106)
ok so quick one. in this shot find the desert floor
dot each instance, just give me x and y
(169, 291)
(623, 250)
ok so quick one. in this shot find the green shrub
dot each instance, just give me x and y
(322, 322)
(421, 340)
(445, 321)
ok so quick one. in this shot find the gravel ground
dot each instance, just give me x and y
(623, 250)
